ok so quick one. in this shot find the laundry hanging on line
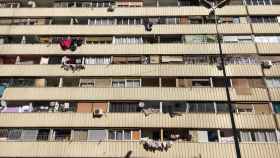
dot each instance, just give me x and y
(70, 43)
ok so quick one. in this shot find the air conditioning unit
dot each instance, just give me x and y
(267, 64)
(98, 112)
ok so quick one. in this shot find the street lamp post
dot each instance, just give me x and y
(213, 6)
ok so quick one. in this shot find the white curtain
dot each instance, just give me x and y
(271, 136)
(245, 136)
(202, 136)
(259, 136)
(273, 83)
(97, 60)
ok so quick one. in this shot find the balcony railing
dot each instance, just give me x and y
(254, 121)
(195, 94)
(154, 120)
(109, 29)
(264, 10)
(120, 149)
(273, 71)
(268, 48)
(243, 70)
(251, 94)
(266, 28)
(113, 70)
(119, 11)
(275, 94)
(116, 49)
(113, 149)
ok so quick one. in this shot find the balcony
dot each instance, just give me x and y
(239, 48)
(254, 94)
(135, 11)
(263, 10)
(120, 149)
(111, 49)
(155, 120)
(254, 121)
(117, 149)
(114, 29)
(195, 94)
(275, 94)
(254, 150)
(273, 71)
(232, 10)
(234, 28)
(268, 48)
(112, 70)
(243, 70)
(261, 28)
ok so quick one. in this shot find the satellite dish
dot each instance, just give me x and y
(141, 104)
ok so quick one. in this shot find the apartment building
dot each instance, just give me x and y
(139, 78)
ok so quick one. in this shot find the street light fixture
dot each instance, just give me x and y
(212, 6)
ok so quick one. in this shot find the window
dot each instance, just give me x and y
(124, 107)
(234, 20)
(201, 59)
(240, 60)
(97, 60)
(132, 83)
(3, 134)
(127, 40)
(226, 136)
(172, 20)
(43, 135)
(245, 136)
(270, 136)
(244, 108)
(62, 134)
(276, 106)
(86, 83)
(14, 134)
(273, 82)
(102, 21)
(118, 83)
(98, 40)
(258, 136)
(263, 19)
(213, 136)
(129, 21)
(267, 39)
(168, 82)
(200, 38)
(127, 135)
(222, 107)
(153, 105)
(201, 83)
(257, 2)
(201, 107)
(170, 107)
(237, 39)
(119, 135)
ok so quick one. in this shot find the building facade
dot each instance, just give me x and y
(139, 78)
